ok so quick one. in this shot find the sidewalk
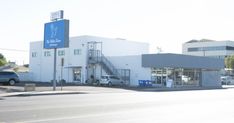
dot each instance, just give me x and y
(36, 93)
(6, 91)
(18, 90)
(153, 89)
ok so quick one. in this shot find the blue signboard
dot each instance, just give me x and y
(56, 34)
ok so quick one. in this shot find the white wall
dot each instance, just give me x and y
(35, 62)
(47, 66)
(119, 47)
(134, 63)
(41, 67)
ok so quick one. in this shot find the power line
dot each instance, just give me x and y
(18, 50)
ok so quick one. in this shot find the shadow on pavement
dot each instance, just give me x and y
(9, 89)
(44, 94)
(19, 87)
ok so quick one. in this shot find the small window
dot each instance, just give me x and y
(61, 53)
(34, 54)
(47, 53)
(77, 51)
(6, 73)
(112, 77)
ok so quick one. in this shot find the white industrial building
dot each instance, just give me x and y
(209, 48)
(87, 56)
(90, 56)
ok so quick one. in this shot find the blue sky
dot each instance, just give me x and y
(161, 23)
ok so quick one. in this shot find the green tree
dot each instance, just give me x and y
(2, 60)
(229, 62)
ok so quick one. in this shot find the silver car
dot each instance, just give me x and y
(110, 80)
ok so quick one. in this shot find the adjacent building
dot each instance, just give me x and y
(90, 57)
(183, 70)
(209, 48)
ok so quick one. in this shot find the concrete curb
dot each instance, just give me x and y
(178, 89)
(34, 93)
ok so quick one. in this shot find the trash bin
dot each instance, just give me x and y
(148, 83)
(144, 83)
(141, 83)
(29, 87)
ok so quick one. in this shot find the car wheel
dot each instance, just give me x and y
(109, 84)
(11, 82)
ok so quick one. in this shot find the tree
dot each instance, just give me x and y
(2, 60)
(229, 62)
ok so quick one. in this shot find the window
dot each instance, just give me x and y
(192, 49)
(34, 54)
(61, 53)
(180, 76)
(229, 48)
(77, 51)
(47, 53)
(214, 48)
(158, 76)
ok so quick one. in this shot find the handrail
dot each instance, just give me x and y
(98, 57)
(95, 56)
(109, 64)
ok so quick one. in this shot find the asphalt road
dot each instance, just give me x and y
(208, 106)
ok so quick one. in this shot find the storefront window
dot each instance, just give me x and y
(179, 76)
(158, 76)
(190, 77)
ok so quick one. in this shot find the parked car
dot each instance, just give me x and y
(227, 80)
(7, 77)
(110, 80)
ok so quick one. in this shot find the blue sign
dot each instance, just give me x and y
(56, 34)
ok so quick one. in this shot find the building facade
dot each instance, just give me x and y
(88, 58)
(209, 48)
(183, 70)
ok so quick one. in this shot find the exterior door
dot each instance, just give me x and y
(77, 74)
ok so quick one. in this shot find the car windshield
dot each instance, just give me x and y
(104, 77)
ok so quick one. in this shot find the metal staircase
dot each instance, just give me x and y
(96, 57)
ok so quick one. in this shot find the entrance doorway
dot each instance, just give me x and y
(158, 77)
(77, 74)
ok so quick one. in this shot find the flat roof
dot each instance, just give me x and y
(181, 61)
